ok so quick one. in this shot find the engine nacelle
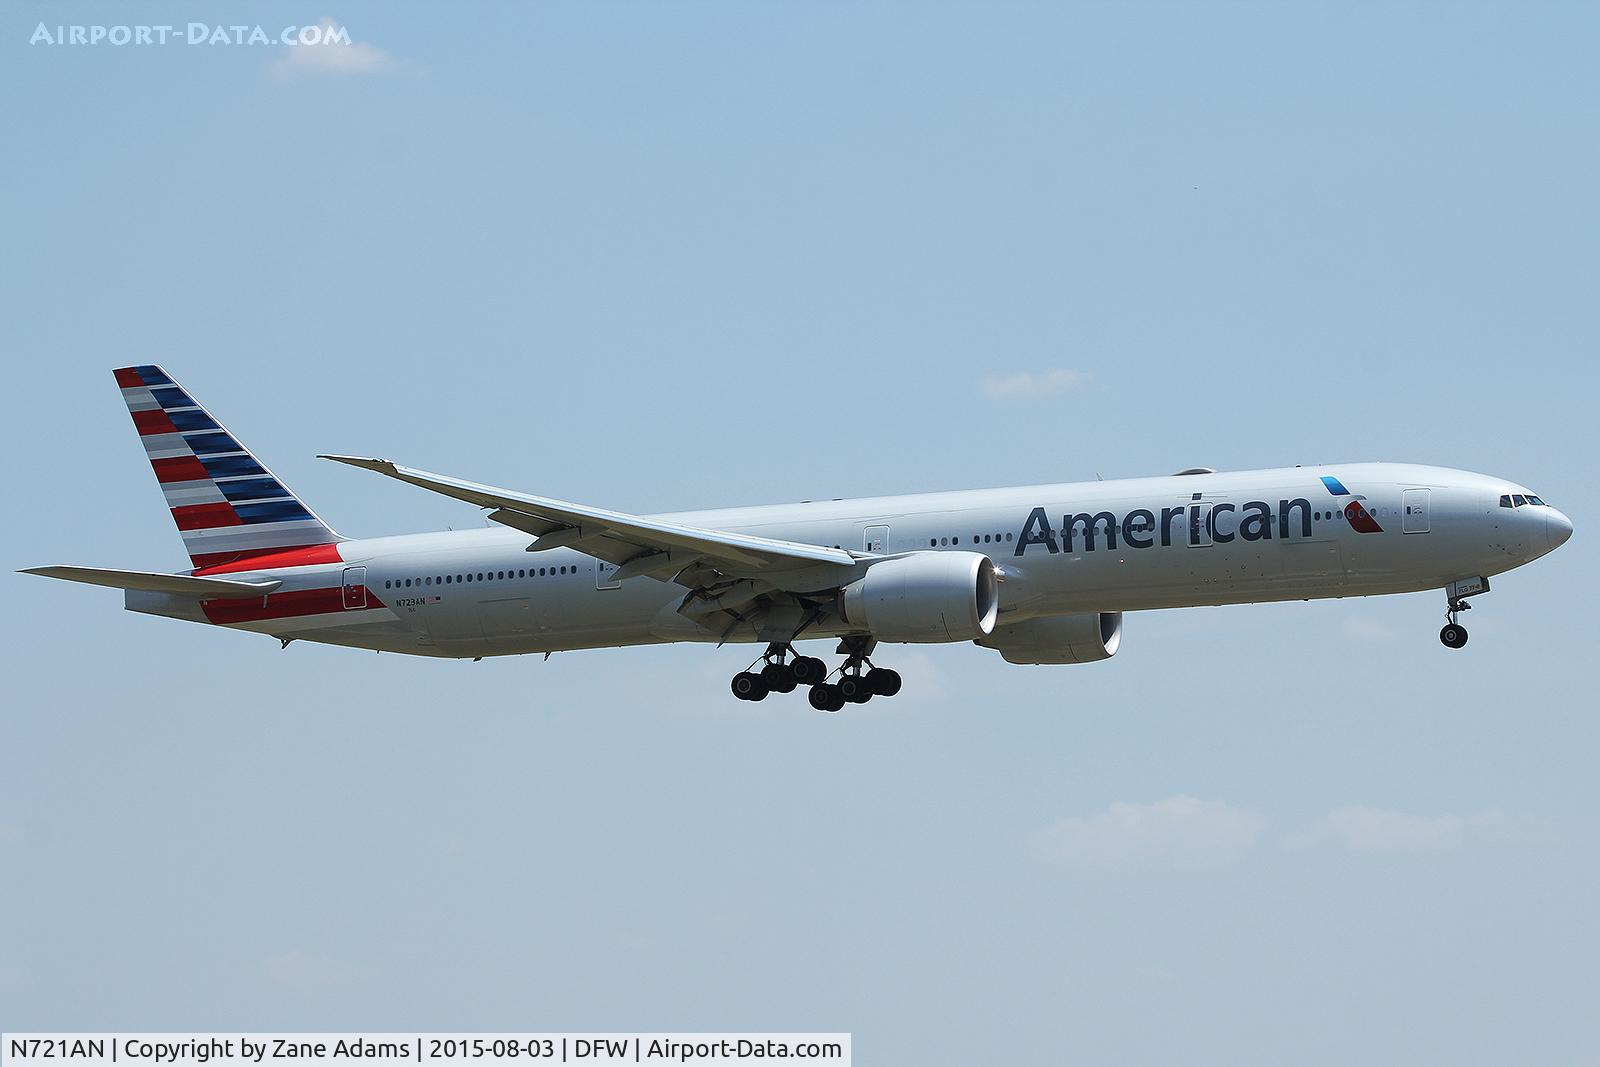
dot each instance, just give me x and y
(924, 597)
(1059, 639)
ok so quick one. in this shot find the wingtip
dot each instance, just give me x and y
(368, 462)
(57, 570)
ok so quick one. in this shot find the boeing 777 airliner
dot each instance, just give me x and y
(1041, 574)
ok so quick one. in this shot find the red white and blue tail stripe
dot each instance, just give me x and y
(230, 510)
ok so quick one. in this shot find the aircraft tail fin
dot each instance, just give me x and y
(229, 508)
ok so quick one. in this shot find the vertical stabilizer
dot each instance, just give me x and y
(229, 508)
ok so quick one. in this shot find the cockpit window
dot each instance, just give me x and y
(1536, 500)
(1517, 500)
(1505, 501)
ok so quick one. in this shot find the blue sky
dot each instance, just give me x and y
(670, 256)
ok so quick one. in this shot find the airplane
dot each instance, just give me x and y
(1040, 574)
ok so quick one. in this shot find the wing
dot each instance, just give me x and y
(179, 584)
(693, 556)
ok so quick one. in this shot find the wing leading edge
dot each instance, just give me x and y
(638, 545)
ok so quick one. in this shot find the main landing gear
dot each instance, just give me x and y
(859, 681)
(1454, 635)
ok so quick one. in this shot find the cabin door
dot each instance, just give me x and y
(1200, 528)
(1414, 511)
(355, 588)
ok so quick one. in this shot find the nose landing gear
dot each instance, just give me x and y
(859, 681)
(1454, 635)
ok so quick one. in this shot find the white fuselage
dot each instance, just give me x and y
(1179, 541)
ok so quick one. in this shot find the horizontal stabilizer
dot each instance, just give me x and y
(178, 584)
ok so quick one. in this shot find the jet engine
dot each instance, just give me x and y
(1059, 638)
(924, 597)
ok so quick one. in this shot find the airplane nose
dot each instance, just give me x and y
(1558, 528)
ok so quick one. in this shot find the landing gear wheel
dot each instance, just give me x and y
(854, 688)
(1454, 635)
(825, 697)
(779, 677)
(747, 686)
(883, 681)
(808, 670)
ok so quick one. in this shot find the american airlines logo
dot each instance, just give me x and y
(1199, 522)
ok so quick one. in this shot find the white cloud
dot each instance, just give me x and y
(342, 57)
(1366, 829)
(1180, 829)
(1360, 828)
(1009, 386)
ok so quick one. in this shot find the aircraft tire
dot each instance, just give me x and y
(779, 677)
(808, 670)
(747, 686)
(1454, 635)
(825, 697)
(855, 688)
(883, 681)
